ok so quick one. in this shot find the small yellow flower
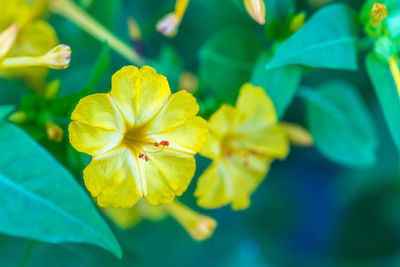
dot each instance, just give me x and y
(256, 10)
(242, 142)
(378, 13)
(142, 139)
(198, 226)
(170, 23)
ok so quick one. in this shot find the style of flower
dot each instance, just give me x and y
(242, 142)
(198, 226)
(142, 139)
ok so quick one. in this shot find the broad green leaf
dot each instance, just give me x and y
(340, 124)
(393, 24)
(327, 40)
(40, 200)
(227, 60)
(386, 91)
(5, 110)
(280, 84)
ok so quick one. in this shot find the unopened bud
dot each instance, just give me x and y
(168, 25)
(189, 82)
(7, 39)
(52, 89)
(58, 58)
(297, 22)
(54, 132)
(199, 226)
(297, 135)
(18, 117)
(134, 30)
(378, 13)
(256, 10)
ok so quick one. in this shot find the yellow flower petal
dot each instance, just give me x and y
(255, 109)
(188, 137)
(167, 174)
(220, 125)
(92, 140)
(271, 141)
(228, 181)
(141, 93)
(113, 178)
(99, 110)
(180, 107)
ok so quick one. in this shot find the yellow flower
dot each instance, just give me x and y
(170, 23)
(141, 138)
(256, 10)
(199, 226)
(35, 38)
(242, 142)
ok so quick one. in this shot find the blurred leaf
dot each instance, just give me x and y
(279, 14)
(386, 90)
(5, 110)
(280, 84)
(327, 40)
(340, 124)
(227, 60)
(39, 199)
(62, 106)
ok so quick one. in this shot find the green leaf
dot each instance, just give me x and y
(340, 124)
(40, 200)
(386, 90)
(327, 40)
(5, 110)
(227, 60)
(281, 84)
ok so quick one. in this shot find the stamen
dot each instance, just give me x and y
(141, 156)
(156, 143)
(164, 143)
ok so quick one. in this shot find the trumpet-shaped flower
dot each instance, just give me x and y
(242, 142)
(198, 226)
(35, 38)
(142, 139)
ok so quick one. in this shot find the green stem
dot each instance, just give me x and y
(74, 13)
(27, 253)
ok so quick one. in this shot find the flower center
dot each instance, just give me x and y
(142, 145)
(228, 149)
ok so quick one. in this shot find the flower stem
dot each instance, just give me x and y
(394, 67)
(75, 14)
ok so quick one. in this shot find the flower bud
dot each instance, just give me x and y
(168, 25)
(378, 13)
(52, 89)
(58, 58)
(134, 30)
(297, 135)
(18, 117)
(54, 132)
(256, 10)
(7, 39)
(297, 22)
(189, 82)
(199, 226)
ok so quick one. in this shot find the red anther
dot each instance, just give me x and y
(164, 143)
(156, 143)
(141, 156)
(146, 158)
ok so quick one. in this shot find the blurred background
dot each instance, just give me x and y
(308, 211)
